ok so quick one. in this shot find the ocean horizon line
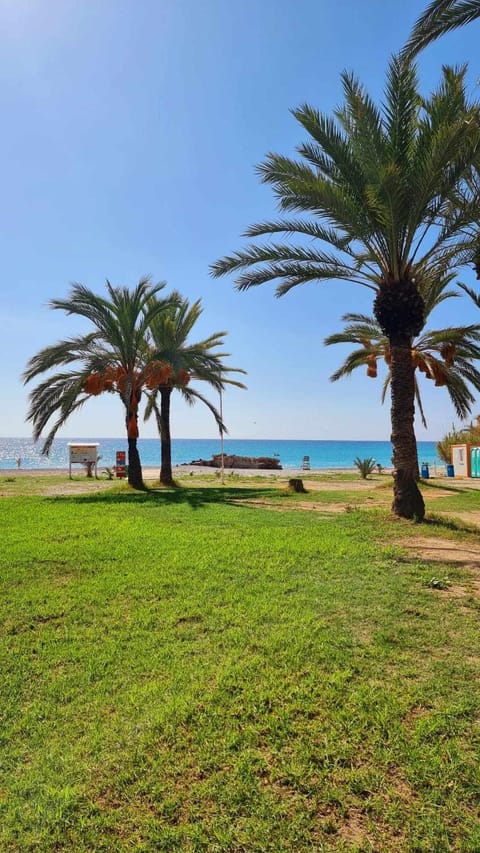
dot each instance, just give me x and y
(227, 437)
(322, 453)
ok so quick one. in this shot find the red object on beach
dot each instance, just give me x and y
(120, 463)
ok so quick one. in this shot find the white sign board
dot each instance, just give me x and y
(460, 459)
(82, 454)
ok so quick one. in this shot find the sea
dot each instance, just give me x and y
(290, 453)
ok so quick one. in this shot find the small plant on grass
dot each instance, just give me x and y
(438, 583)
(365, 466)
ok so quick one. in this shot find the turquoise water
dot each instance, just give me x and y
(323, 454)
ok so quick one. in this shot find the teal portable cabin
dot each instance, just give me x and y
(475, 462)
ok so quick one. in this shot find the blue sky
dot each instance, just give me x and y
(131, 129)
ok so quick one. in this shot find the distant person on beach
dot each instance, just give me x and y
(19, 462)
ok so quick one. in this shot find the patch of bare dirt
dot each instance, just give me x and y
(471, 516)
(444, 551)
(298, 505)
(457, 554)
(353, 829)
(327, 508)
(338, 486)
(62, 489)
(418, 712)
(438, 493)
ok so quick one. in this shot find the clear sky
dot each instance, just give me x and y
(130, 133)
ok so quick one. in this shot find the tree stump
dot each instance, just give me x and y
(296, 485)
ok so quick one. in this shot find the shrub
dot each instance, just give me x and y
(365, 466)
(468, 435)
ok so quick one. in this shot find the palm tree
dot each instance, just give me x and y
(114, 357)
(169, 332)
(374, 185)
(445, 356)
(439, 18)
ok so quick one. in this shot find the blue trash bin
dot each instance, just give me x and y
(450, 471)
(425, 471)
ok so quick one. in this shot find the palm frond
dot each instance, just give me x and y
(355, 359)
(385, 387)
(459, 393)
(419, 404)
(191, 395)
(290, 270)
(63, 352)
(439, 18)
(474, 296)
(59, 393)
(304, 227)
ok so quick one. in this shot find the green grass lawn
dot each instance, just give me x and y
(184, 672)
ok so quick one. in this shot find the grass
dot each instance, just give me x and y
(185, 671)
(462, 500)
(33, 484)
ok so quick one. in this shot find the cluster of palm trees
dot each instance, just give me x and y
(387, 197)
(137, 344)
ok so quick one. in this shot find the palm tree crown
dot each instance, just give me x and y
(113, 357)
(379, 179)
(445, 356)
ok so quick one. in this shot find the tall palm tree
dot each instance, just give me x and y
(169, 333)
(439, 18)
(373, 185)
(113, 357)
(445, 356)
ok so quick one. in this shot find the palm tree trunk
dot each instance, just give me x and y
(166, 477)
(135, 475)
(407, 498)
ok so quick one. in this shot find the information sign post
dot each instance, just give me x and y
(82, 454)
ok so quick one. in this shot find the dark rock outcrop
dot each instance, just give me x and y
(230, 460)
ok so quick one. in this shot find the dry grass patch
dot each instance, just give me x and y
(467, 516)
(439, 550)
(352, 485)
(297, 505)
(354, 829)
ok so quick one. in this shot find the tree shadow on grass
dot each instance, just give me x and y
(196, 497)
(446, 487)
(449, 523)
